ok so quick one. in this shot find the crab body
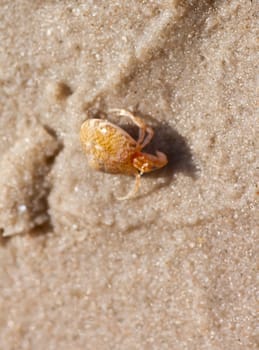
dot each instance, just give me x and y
(111, 149)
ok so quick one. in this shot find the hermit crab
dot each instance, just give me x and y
(111, 149)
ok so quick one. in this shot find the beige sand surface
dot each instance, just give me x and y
(174, 268)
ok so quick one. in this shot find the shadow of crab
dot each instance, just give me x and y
(175, 146)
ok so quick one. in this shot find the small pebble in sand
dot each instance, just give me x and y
(111, 149)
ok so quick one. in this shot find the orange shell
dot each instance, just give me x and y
(108, 147)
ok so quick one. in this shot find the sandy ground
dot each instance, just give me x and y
(175, 267)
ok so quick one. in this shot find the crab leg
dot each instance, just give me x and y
(143, 139)
(134, 190)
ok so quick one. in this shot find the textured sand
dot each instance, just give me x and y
(174, 268)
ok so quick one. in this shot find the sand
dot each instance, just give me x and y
(175, 267)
